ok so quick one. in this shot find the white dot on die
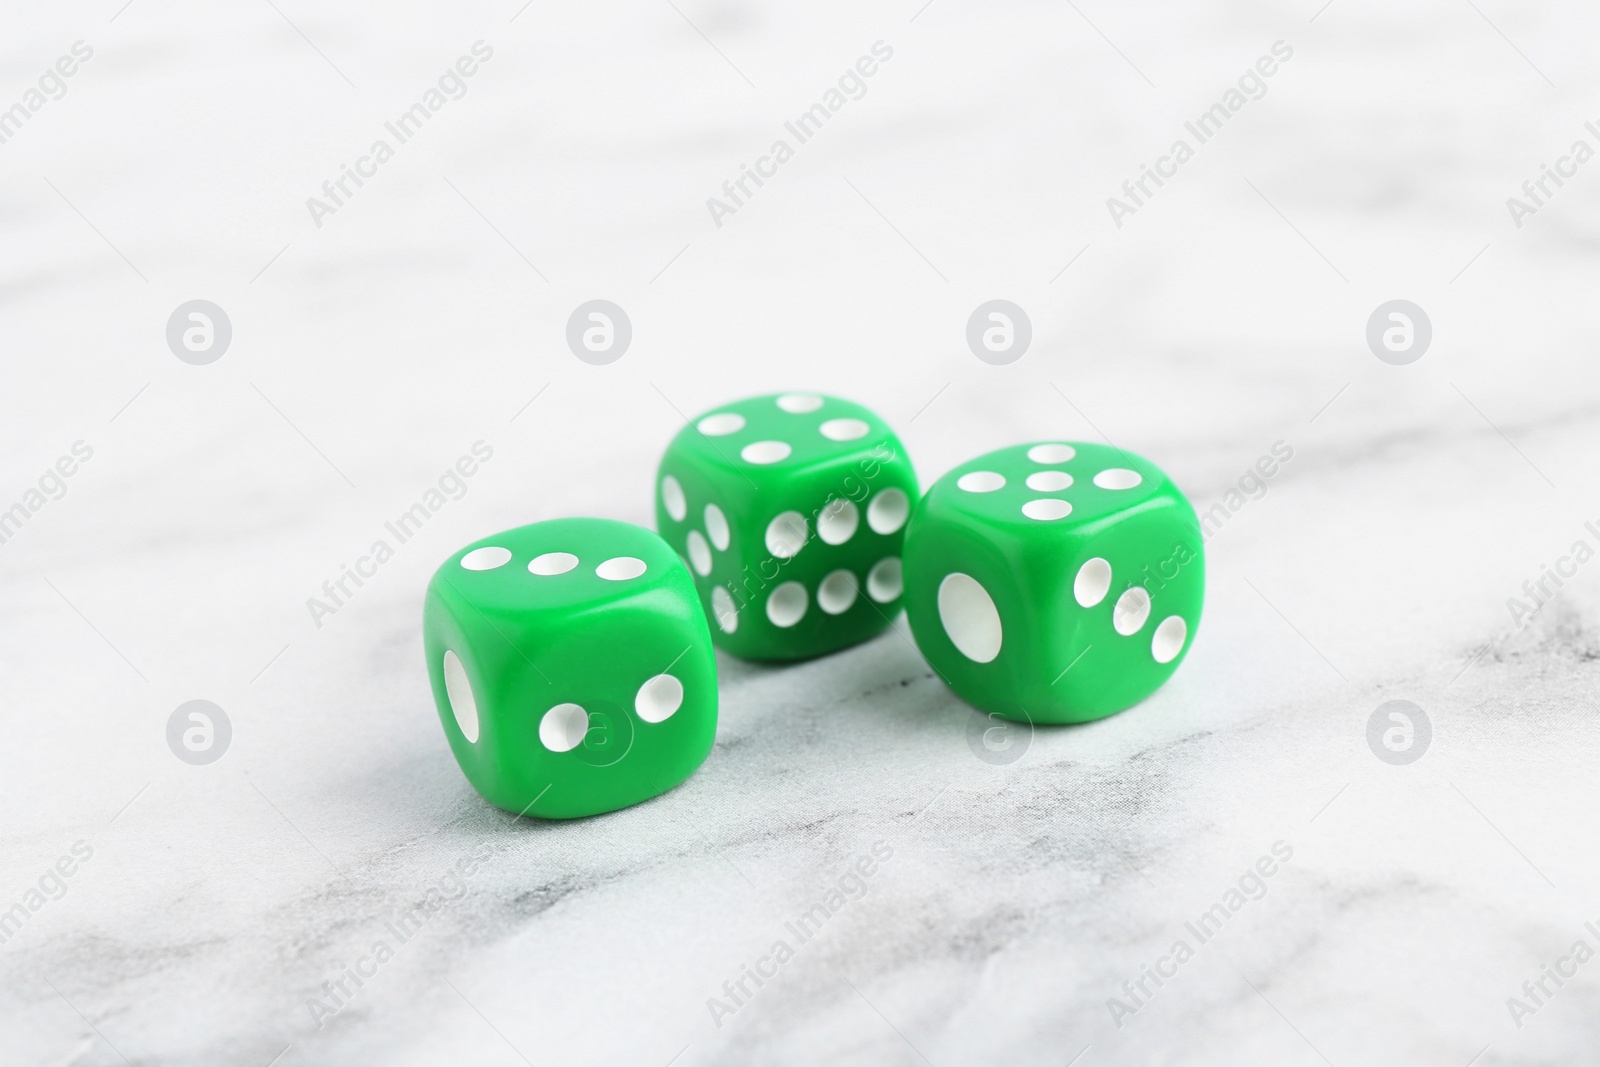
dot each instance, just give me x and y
(1092, 583)
(487, 558)
(1049, 481)
(969, 617)
(1051, 453)
(699, 553)
(722, 424)
(886, 581)
(1168, 639)
(725, 611)
(552, 563)
(888, 511)
(1047, 508)
(799, 403)
(1117, 478)
(837, 522)
(672, 498)
(787, 604)
(1133, 608)
(563, 727)
(981, 481)
(786, 535)
(837, 592)
(717, 527)
(459, 690)
(844, 429)
(765, 452)
(620, 568)
(658, 698)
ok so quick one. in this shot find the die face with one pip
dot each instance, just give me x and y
(572, 666)
(790, 510)
(1054, 583)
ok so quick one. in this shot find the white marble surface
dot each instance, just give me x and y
(369, 353)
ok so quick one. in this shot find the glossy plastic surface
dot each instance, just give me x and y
(1056, 582)
(605, 610)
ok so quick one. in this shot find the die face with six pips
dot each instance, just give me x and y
(790, 511)
(572, 666)
(1054, 582)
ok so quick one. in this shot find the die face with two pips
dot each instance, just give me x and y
(572, 666)
(1055, 582)
(790, 510)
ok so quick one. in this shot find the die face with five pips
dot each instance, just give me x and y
(572, 666)
(790, 510)
(1055, 582)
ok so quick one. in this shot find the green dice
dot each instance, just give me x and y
(1054, 583)
(572, 666)
(790, 509)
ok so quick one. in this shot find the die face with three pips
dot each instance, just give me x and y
(572, 666)
(790, 511)
(1055, 582)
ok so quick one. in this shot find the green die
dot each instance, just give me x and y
(1054, 583)
(790, 510)
(572, 667)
